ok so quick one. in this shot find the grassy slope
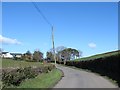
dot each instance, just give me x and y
(45, 80)
(13, 63)
(99, 55)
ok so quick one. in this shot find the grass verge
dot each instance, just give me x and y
(44, 80)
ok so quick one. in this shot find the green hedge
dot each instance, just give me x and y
(16, 76)
(106, 66)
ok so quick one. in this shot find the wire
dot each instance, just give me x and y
(38, 9)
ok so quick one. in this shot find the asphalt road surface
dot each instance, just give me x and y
(74, 78)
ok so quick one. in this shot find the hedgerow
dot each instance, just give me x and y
(16, 76)
(105, 66)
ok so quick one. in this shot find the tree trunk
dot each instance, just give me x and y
(64, 61)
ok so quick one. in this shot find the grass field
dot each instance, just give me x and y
(99, 56)
(7, 63)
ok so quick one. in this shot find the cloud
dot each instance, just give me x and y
(92, 45)
(6, 40)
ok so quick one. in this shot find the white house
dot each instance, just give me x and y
(6, 55)
(18, 55)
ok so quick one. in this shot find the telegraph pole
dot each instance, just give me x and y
(38, 9)
(53, 45)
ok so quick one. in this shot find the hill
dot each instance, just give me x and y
(107, 54)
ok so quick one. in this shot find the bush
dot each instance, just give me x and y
(16, 76)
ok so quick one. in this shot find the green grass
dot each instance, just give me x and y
(99, 56)
(7, 63)
(45, 80)
(0, 84)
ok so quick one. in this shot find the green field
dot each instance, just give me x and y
(99, 56)
(7, 63)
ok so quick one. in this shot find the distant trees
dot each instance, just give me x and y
(50, 56)
(69, 54)
(58, 52)
(37, 56)
(63, 54)
(27, 56)
(60, 48)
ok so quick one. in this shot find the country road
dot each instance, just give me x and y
(74, 78)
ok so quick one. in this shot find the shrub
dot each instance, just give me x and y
(16, 76)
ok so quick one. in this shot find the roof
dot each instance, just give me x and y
(4, 52)
(15, 53)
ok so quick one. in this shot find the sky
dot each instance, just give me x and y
(91, 27)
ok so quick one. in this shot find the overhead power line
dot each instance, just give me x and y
(38, 9)
(40, 12)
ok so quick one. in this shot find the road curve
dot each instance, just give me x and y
(81, 79)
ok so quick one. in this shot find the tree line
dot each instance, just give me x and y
(36, 56)
(61, 54)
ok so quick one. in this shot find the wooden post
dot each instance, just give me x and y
(53, 45)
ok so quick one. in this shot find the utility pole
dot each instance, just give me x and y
(53, 45)
(38, 9)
